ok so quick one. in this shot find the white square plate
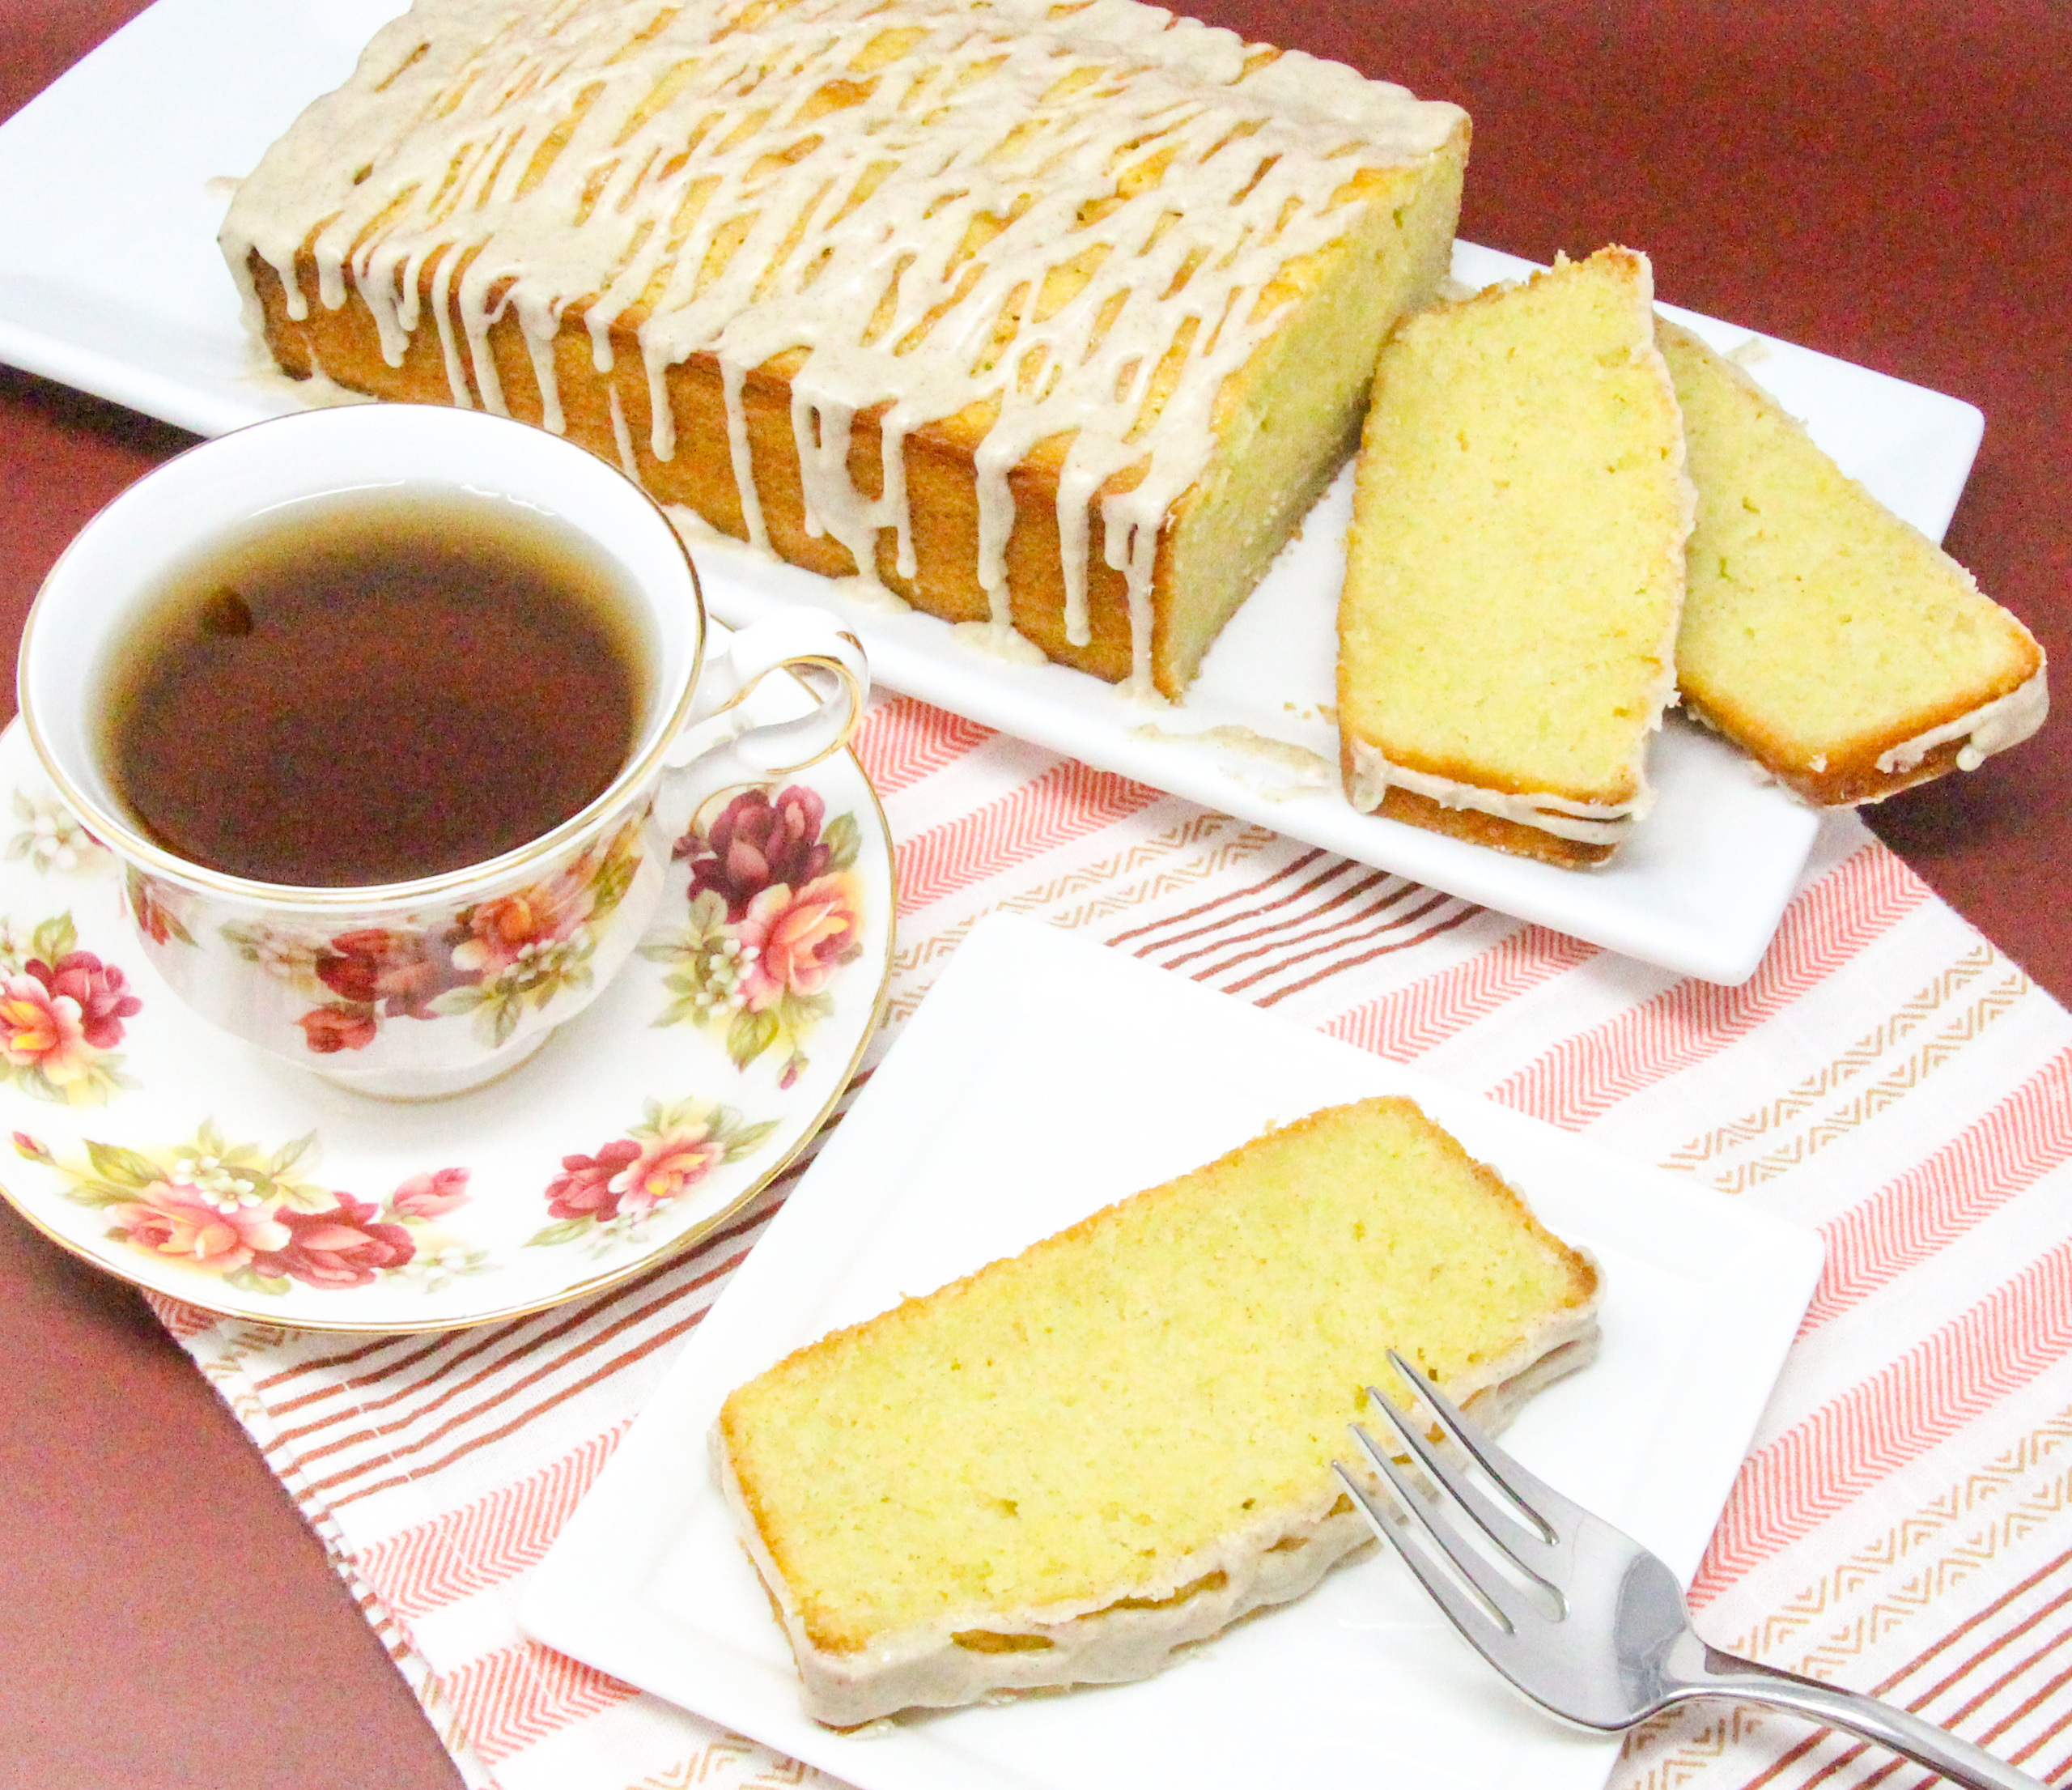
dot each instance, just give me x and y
(113, 184)
(1043, 1077)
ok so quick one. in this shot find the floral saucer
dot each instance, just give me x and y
(184, 1160)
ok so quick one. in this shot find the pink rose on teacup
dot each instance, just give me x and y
(498, 935)
(399, 972)
(330, 1030)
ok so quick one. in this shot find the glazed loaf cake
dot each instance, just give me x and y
(1841, 647)
(1052, 318)
(1516, 566)
(1077, 1460)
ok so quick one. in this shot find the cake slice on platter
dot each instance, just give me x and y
(1515, 567)
(1839, 647)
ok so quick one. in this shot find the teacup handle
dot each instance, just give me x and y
(816, 649)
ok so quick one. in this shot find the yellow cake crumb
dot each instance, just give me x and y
(1515, 567)
(1113, 1429)
(1821, 634)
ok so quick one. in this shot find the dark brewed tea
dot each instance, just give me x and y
(375, 687)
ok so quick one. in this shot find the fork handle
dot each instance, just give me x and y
(1728, 1675)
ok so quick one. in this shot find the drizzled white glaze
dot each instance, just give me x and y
(1590, 822)
(997, 640)
(1991, 728)
(744, 178)
(1302, 771)
(1104, 1641)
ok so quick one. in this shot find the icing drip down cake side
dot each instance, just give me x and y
(1074, 1462)
(1048, 318)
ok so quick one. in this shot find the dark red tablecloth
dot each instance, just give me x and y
(1886, 180)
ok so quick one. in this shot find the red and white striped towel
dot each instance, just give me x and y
(1904, 1524)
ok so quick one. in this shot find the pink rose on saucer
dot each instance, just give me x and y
(38, 1032)
(177, 1218)
(799, 940)
(58, 1018)
(431, 1196)
(100, 991)
(667, 1168)
(57, 1022)
(671, 1150)
(586, 1189)
(347, 1246)
(757, 843)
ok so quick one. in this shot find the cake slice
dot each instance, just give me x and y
(1063, 1468)
(1515, 567)
(1838, 645)
(1052, 320)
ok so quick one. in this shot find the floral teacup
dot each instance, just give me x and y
(420, 988)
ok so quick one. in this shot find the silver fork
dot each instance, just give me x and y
(1580, 1616)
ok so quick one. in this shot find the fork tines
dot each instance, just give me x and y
(1503, 1552)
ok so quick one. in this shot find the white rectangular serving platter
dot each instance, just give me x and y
(1043, 1077)
(113, 184)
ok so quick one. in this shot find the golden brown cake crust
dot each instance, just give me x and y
(343, 346)
(1849, 779)
(1478, 828)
